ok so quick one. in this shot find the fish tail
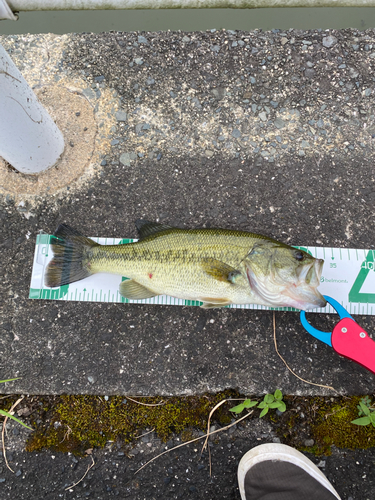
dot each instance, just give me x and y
(71, 260)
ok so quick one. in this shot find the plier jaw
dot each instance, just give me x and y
(347, 338)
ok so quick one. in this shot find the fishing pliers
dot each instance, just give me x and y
(347, 337)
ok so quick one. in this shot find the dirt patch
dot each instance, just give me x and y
(74, 116)
(84, 114)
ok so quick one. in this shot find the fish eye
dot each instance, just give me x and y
(299, 255)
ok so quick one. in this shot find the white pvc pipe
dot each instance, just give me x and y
(6, 11)
(29, 139)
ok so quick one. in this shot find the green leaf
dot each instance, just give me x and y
(269, 398)
(282, 408)
(9, 380)
(237, 409)
(249, 404)
(246, 403)
(372, 417)
(275, 404)
(278, 394)
(366, 400)
(262, 404)
(364, 408)
(263, 412)
(362, 421)
(6, 414)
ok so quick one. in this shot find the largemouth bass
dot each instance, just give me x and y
(215, 266)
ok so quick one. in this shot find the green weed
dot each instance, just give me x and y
(5, 413)
(365, 408)
(270, 401)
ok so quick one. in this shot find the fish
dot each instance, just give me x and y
(217, 267)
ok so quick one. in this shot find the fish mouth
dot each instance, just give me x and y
(311, 273)
(301, 294)
(304, 293)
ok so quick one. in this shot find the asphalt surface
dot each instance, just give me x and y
(269, 132)
(183, 473)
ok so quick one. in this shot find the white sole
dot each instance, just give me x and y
(275, 451)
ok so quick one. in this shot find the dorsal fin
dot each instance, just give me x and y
(146, 228)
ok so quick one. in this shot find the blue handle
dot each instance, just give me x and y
(341, 311)
(318, 334)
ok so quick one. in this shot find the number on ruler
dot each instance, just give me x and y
(368, 265)
(355, 294)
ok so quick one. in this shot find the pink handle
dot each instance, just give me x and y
(353, 342)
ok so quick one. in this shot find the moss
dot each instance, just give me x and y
(325, 420)
(333, 427)
(6, 402)
(81, 422)
(76, 423)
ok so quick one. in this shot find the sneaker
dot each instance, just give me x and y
(279, 472)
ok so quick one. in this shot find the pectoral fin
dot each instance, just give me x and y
(130, 289)
(220, 271)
